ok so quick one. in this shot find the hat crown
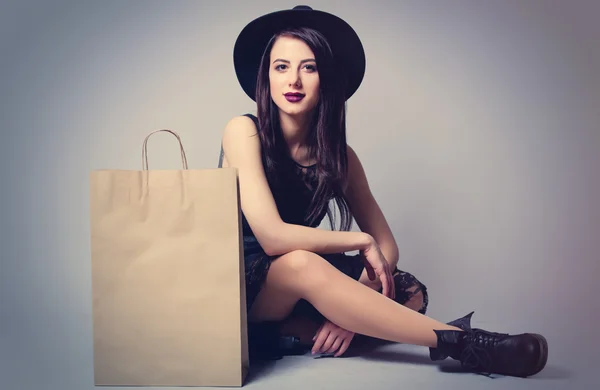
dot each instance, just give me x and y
(302, 8)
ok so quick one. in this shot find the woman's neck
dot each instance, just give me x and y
(295, 131)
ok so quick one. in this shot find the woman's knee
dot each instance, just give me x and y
(304, 266)
(411, 292)
(297, 260)
(416, 301)
(283, 287)
(301, 261)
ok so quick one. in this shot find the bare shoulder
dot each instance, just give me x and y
(239, 126)
(240, 141)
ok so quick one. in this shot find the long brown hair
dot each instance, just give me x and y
(326, 141)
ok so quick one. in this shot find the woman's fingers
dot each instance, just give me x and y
(392, 283)
(369, 267)
(336, 344)
(388, 285)
(384, 284)
(321, 338)
(344, 346)
(328, 342)
(318, 331)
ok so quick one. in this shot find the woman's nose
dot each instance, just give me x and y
(295, 79)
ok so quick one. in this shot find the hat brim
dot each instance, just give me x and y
(342, 38)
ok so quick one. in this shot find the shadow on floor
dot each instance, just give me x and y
(553, 372)
(370, 349)
(260, 369)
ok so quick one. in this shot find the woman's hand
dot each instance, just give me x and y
(331, 338)
(376, 265)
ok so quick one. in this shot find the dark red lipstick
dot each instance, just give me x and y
(294, 97)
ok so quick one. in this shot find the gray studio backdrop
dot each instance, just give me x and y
(477, 124)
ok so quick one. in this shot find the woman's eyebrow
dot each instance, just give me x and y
(303, 61)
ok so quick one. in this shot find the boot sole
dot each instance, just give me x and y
(543, 359)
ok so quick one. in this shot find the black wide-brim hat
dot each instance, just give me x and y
(346, 46)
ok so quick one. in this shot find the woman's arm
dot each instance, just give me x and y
(295, 237)
(368, 215)
(242, 150)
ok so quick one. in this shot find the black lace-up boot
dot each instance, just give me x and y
(489, 353)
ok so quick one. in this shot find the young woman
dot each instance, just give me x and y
(300, 66)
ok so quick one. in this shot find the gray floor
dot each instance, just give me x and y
(404, 366)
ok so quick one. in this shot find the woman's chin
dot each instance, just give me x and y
(294, 109)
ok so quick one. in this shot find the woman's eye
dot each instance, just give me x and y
(310, 68)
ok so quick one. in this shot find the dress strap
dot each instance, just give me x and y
(254, 119)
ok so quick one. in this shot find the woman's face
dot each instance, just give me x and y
(293, 76)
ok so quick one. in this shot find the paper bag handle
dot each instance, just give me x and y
(145, 149)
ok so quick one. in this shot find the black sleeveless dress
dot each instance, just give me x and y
(292, 194)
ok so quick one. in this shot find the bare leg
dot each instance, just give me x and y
(344, 301)
(304, 326)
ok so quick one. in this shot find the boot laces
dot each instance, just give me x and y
(475, 355)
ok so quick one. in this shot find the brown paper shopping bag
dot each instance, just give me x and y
(167, 277)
